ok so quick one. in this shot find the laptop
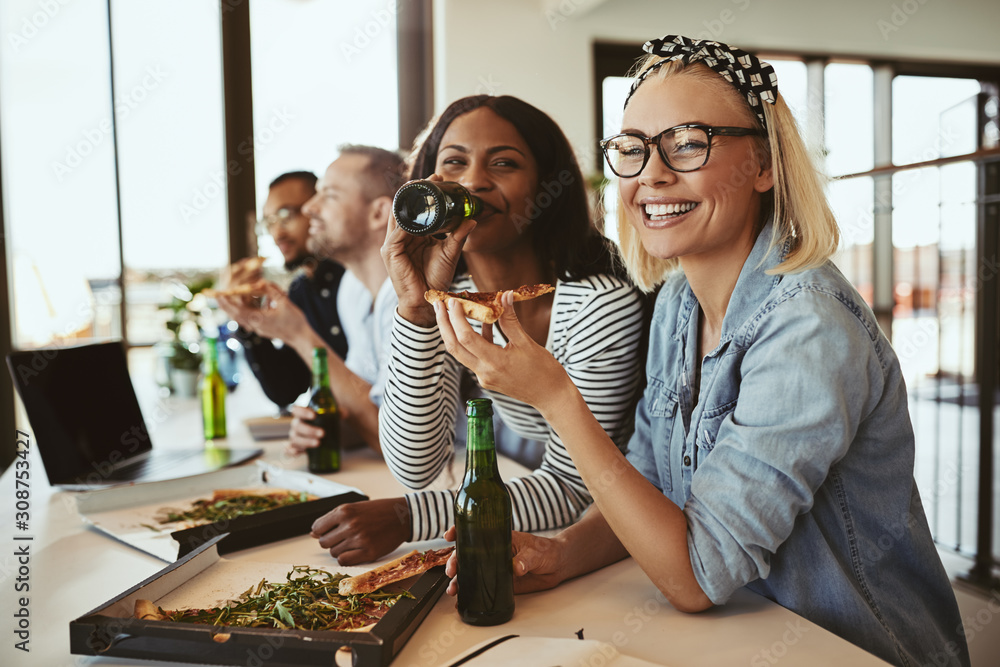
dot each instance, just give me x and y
(87, 424)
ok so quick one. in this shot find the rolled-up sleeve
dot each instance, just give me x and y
(807, 378)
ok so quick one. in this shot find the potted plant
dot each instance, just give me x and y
(181, 355)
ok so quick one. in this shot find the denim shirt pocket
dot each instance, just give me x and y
(662, 403)
(708, 428)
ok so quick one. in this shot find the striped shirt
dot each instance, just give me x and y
(594, 332)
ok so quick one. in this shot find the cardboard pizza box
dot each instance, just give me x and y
(202, 579)
(129, 513)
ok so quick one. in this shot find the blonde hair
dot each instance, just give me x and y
(802, 216)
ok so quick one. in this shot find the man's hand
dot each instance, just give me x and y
(245, 271)
(302, 435)
(365, 531)
(242, 273)
(279, 317)
(539, 563)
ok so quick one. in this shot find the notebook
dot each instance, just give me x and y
(87, 424)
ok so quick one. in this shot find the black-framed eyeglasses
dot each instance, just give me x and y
(682, 148)
(279, 218)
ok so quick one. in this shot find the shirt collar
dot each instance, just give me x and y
(754, 283)
(752, 287)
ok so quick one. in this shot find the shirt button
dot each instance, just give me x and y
(335, 330)
(687, 460)
(325, 293)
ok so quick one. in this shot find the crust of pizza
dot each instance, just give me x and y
(404, 567)
(226, 494)
(485, 306)
(147, 611)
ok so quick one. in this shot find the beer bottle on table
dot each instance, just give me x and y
(326, 457)
(483, 525)
(433, 207)
(213, 394)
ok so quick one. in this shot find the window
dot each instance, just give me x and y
(323, 74)
(316, 90)
(171, 152)
(59, 189)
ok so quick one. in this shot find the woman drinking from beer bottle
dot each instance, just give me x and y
(534, 228)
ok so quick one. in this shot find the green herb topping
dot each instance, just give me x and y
(308, 600)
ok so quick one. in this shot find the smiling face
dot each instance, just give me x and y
(339, 212)
(710, 214)
(292, 233)
(486, 154)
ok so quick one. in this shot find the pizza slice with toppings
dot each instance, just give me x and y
(485, 306)
(404, 567)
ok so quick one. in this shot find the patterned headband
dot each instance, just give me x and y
(752, 77)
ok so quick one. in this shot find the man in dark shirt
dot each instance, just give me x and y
(281, 372)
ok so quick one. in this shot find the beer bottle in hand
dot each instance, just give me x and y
(326, 457)
(213, 394)
(433, 207)
(483, 525)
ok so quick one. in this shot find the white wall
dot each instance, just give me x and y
(540, 50)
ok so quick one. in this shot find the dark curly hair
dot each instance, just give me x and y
(559, 222)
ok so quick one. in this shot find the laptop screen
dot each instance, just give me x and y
(82, 408)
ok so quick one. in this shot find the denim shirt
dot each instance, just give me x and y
(794, 466)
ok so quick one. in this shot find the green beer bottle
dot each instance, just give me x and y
(433, 207)
(326, 457)
(213, 394)
(483, 525)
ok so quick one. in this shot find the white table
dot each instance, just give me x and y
(74, 568)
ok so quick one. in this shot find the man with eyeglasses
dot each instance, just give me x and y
(282, 374)
(347, 222)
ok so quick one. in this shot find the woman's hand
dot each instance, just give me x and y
(419, 263)
(522, 369)
(364, 531)
(539, 563)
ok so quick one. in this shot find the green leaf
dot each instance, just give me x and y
(284, 615)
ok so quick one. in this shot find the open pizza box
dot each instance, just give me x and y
(203, 579)
(130, 513)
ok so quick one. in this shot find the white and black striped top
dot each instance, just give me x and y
(594, 332)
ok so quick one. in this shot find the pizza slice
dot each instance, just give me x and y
(256, 288)
(404, 567)
(485, 306)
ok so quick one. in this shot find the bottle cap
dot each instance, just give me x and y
(479, 407)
